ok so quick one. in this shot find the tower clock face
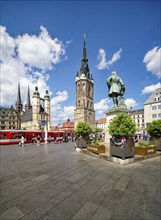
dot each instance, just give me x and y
(78, 111)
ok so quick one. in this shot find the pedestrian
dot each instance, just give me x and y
(38, 140)
(49, 139)
(22, 141)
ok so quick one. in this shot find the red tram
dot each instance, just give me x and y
(14, 136)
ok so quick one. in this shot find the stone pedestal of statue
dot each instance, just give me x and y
(110, 114)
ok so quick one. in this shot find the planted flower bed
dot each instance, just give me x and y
(144, 148)
(96, 147)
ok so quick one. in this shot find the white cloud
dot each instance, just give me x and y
(60, 97)
(102, 105)
(7, 44)
(58, 111)
(152, 61)
(39, 51)
(27, 58)
(67, 112)
(130, 103)
(106, 64)
(151, 88)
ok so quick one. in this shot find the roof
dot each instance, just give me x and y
(27, 116)
(101, 121)
(5, 111)
(68, 124)
(155, 94)
(139, 111)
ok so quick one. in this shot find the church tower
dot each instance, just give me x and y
(84, 110)
(19, 107)
(47, 108)
(19, 103)
(28, 103)
(36, 109)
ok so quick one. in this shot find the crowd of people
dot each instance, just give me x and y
(37, 140)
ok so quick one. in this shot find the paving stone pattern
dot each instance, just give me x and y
(55, 182)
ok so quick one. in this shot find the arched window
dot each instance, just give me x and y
(78, 91)
(87, 104)
(89, 90)
(83, 103)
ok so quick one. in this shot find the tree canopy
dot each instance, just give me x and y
(122, 125)
(83, 129)
(154, 128)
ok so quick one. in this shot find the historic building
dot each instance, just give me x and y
(152, 107)
(67, 125)
(84, 110)
(10, 117)
(37, 115)
(101, 123)
(138, 117)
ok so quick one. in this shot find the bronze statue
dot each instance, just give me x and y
(116, 87)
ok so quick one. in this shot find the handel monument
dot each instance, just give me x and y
(116, 90)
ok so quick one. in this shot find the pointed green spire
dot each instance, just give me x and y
(18, 103)
(84, 48)
(19, 94)
(28, 97)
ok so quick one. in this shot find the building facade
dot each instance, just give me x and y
(67, 126)
(84, 110)
(9, 118)
(101, 123)
(152, 107)
(37, 115)
(138, 117)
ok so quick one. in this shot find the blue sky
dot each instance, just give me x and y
(42, 44)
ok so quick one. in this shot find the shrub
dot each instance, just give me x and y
(144, 144)
(122, 125)
(83, 129)
(154, 128)
(95, 142)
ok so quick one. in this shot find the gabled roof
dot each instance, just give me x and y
(101, 121)
(155, 94)
(27, 116)
(6, 111)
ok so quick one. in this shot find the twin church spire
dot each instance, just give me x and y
(19, 106)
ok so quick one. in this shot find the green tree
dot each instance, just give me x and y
(154, 128)
(99, 130)
(122, 125)
(83, 129)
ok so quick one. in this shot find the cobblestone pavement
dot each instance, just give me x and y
(55, 182)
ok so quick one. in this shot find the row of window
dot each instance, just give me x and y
(138, 116)
(10, 123)
(10, 127)
(139, 121)
(156, 107)
(156, 99)
(6, 117)
(156, 115)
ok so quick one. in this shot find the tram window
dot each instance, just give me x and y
(16, 135)
(2, 136)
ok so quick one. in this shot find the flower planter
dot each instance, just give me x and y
(81, 143)
(123, 150)
(157, 143)
(96, 149)
(143, 151)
